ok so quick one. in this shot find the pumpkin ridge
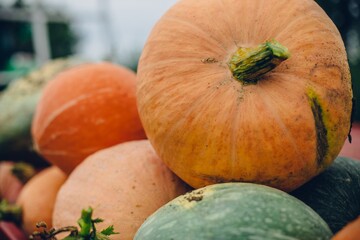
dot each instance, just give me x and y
(295, 20)
(174, 85)
(227, 20)
(234, 143)
(322, 144)
(254, 18)
(51, 118)
(280, 121)
(199, 30)
(201, 100)
(162, 63)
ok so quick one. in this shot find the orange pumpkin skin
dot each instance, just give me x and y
(37, 198)
(209, 127)
(124, 184)
(83, 110)
(350, 232)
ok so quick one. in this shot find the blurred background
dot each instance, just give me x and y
(34, 31)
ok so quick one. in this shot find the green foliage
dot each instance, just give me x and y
(87, 229)
(62, 40)
(10, 212)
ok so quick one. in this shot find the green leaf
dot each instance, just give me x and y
(97, 220)
(109, 231)
(72, 238)
(85, 222)
(87, 229)
(100, 236)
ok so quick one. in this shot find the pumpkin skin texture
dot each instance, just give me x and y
(335, 193)
(124, 184)
(232, 211)
(280, 131)
(80, 108)
(37, 198)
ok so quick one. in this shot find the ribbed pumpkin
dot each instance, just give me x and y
(251, 90)
(124, 184)
(83, 110)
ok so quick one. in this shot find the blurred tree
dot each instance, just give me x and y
(62, 39)
(16, 36)
(346, 16)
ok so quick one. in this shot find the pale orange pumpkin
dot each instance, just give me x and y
(85, 109)
(37, 198)
(124, 184)
(251, 90)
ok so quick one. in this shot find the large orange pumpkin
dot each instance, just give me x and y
(124, 184)
(83, 110)
(251, 90)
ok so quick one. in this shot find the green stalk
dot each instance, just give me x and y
(10, 212)
(249, 64)
(23, 171)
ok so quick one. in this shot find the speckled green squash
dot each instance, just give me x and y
(334, 194)
(232, 211)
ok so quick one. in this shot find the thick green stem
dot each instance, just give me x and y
(10, 212)
(23, 171)
(249, 64)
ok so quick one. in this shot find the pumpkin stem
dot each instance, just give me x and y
(248, 64)
(87, 229)
(10, 212)
(23, 171)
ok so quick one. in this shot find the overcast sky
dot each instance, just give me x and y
(129, 23)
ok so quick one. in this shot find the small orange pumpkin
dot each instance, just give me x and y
(10, 185)
(83, 110)
(37, 198)
(124, 184)
(251, 90)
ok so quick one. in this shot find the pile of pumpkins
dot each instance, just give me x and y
(231, 129)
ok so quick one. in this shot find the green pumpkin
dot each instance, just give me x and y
(232, 211)
(335, 193)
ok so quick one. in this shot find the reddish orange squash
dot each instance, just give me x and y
(245, 90)
(124, 184)
(350, 231)
(10, 185)
(83, 110)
